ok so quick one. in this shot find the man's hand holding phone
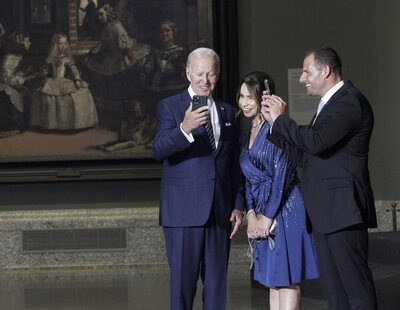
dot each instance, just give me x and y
(271, 107)
(196, 115)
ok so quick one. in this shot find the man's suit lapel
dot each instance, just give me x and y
(330, 103)
(185, 100)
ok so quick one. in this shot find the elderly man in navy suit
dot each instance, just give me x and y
(201, 185)
(333, 151)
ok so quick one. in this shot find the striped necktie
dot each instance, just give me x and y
(210, 134)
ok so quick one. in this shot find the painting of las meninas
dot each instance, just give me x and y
(88, 88)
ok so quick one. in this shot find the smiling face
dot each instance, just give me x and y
(313, 77)
(248, 103)
(202, 74)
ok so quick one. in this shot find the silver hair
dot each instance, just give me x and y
(204, 52)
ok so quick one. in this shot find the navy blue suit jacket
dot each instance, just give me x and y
(194, 178)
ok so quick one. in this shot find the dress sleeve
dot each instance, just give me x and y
(9, 73)
(71, 64)
(250, 201)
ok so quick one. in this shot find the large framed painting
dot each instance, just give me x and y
(86, 100)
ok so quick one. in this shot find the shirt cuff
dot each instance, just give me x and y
(189, 137)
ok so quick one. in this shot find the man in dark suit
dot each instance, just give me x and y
(200, 186)
(333, 151)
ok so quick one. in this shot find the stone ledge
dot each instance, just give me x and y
(145, 243)
(145, 240)
(79, 218)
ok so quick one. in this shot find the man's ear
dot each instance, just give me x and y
(327, 71)
(188, 74)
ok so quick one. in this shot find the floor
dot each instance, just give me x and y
(146, 287)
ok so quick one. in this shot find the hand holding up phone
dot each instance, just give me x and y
(196, 115)
(271, 107)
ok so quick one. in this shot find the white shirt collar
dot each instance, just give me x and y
(191, 91)
(332, 91)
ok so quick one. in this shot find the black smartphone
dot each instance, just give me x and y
(199, 101)
(266, 85)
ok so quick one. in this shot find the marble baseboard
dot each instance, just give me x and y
(145, 241)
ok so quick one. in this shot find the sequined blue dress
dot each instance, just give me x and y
(273, 189)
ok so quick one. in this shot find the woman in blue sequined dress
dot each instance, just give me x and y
(284, 255)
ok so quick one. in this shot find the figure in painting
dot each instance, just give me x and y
(40, 12)
(162, 72)
(123, 9)
(90, 21)
(14, 95)
(64, 101)
(164, 69)
(136, 128)
(108, 63)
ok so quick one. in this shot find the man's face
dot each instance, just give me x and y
(202, 75)
(312, 77)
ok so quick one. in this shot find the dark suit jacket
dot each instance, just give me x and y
(334, 155)
(194, 179)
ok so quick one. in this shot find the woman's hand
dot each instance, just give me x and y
(264, 225)
(252, 224)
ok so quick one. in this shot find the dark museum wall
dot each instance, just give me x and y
(273, 36)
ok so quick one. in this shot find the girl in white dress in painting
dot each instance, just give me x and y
(64, 102)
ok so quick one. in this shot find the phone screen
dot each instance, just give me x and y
(199, 101)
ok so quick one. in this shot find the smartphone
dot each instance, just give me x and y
(266, 85)
(199, 101)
